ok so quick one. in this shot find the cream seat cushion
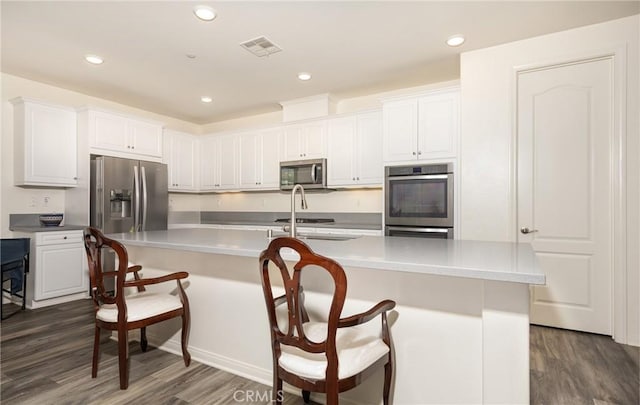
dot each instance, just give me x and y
(141, 306)
(357, 350)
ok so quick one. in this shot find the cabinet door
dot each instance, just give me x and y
(60, 271)
(270, 160)
(250, 160)
(400, 134)
(209, 164)
(49, 140)
(438, 125)
(291, 147)
(145, 138)
(341, 134)
(369, 169)
(313, 140)
(181, 158)
(229, 161)
(108, 131)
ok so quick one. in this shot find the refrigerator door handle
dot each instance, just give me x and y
(145, 200)
(136, 208)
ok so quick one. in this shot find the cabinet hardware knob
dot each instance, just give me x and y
(419, 152)
(65, 237)
(353, 178)
(526, 230)
(413, 153)
(358, 178)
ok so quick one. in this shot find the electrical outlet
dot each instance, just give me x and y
(46, 202)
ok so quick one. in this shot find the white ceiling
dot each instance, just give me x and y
(350, 48)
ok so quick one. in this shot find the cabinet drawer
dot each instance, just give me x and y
(56, 238)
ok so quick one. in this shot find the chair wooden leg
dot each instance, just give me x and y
(186, 324)
(277, 395)
(306, 396)
(96, 352)
(143, 339)
(332, 393)
(123, 358)
(388, 373)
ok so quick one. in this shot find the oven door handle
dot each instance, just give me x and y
(421, 230)
(421, 177)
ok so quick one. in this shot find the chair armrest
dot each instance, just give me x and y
(383, 306)
(156, 280)
(115, 273)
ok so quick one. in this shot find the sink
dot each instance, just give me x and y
(328, 237)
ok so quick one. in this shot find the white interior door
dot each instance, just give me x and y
(564, 190)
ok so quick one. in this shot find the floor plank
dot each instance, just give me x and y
(45, 358)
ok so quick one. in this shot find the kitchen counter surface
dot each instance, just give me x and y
(46, 228)
(497, 261)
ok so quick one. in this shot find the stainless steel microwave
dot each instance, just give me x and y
(311, 174)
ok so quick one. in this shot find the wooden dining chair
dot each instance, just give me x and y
(327, 356)
(129, 306)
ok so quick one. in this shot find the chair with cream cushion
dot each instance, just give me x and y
(122, 311)
(329, 356)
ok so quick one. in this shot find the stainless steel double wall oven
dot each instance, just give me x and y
(419, 201)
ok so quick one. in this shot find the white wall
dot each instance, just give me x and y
(487, 197)
(18, 200)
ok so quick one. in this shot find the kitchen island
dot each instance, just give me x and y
(460, 329)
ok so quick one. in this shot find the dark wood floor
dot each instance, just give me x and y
(569, 367)
(46, 359)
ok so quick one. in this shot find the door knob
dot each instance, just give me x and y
(526, 230)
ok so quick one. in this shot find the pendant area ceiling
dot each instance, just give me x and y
(159, 57)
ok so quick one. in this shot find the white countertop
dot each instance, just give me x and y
(498, 261)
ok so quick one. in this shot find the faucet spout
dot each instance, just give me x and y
(292, 225)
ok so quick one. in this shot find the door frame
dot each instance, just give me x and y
(618, 187)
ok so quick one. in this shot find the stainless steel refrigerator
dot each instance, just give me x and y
(128, 195)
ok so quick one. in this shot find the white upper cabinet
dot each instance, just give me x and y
(219, 163)
(422, 127)
(354, 150)
(45, 144)
(259, 163)
(122, 136)
(304, 141)
(181, 157)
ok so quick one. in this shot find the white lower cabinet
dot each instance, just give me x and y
(58, 269)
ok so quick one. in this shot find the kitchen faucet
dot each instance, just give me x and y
(292, 225)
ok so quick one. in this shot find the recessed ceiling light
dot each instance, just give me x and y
(206, 99)
(205, 13)
(94, 59)
(455, 40)
(304, 76)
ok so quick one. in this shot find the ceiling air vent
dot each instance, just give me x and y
(260, 46)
